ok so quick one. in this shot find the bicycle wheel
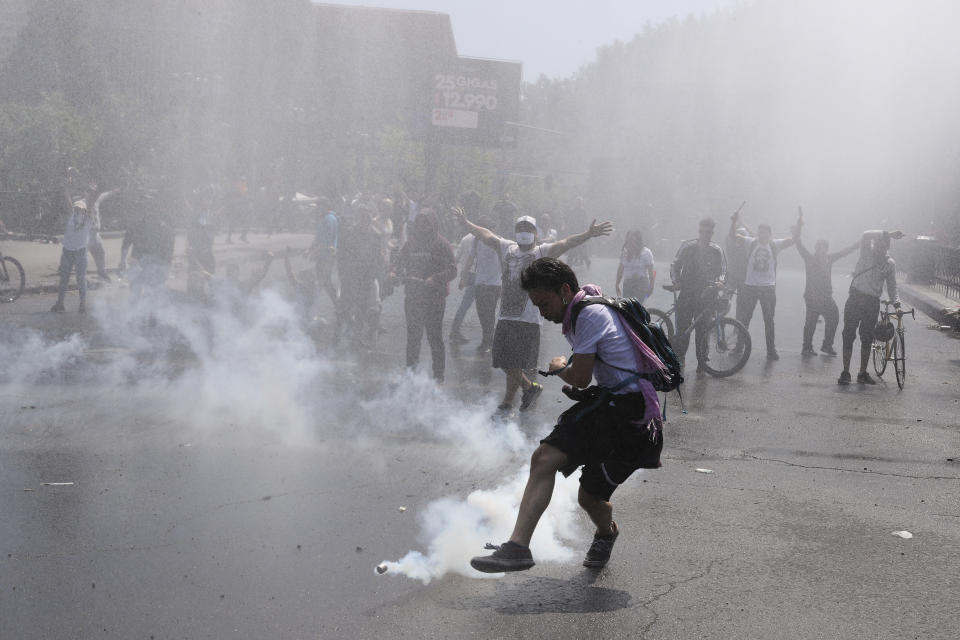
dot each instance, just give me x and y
(727, 348)
(900, 358)
(658, 317)
(12, 279)
(879, 357)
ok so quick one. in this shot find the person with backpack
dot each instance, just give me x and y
(613, 429)
(874, 268)
(760, 281)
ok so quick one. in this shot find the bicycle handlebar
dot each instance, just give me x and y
(899, 313)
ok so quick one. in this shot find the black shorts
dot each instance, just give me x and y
(610, 441)
(516, 345)
(860, 310)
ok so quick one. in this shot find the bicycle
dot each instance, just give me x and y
(893, 348)
(12, 278)
(727, 345)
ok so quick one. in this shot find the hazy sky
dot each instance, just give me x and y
(554, 37)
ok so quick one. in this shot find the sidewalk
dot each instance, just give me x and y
(41, 260)
(930, 301)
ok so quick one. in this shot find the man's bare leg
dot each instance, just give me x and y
(544, 464)
(600, 512)
(514, 382)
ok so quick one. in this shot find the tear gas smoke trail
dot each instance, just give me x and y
(415, 404)
(209, 366)
(456, 530)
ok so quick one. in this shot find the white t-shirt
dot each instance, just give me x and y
(762, 263)
(514, 302)
(463, 254)
(636, 266)
(76, 235)
(489, 271)
(600, 331)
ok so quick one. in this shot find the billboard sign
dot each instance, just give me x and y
(471, 101)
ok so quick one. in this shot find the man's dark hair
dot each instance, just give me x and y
(707, 222)
(548, 274)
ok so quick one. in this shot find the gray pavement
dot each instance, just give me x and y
(205, 504)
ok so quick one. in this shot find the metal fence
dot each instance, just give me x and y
(935, 265)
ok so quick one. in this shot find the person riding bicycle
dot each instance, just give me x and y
(874, 268)
(700, 263)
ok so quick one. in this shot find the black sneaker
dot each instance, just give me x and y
(808, 351)
(58, 308)
(458, 338)
(503, 412)
(508, 556)
(599, 552)
(827, 351)
(864, 378)
(773, 355)
(844, 378)
(529, 396)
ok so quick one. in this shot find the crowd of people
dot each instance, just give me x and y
(506, 265)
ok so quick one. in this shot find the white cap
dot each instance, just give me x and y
(528, 219)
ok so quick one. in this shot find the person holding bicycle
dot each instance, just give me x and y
(874, 268)
(700, 264)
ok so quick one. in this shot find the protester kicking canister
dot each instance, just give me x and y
(613, 429)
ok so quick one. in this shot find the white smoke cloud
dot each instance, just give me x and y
(249, 367)
(456, 529)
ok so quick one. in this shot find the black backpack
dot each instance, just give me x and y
(636, 316)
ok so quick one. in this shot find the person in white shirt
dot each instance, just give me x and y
(516, 339)
(466, 256)
(875, 269)
(614, 428)
(635, 275)
(760, 284)
(73, 257)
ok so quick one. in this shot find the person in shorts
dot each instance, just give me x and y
(874, 268)
(516, 338)
(613, 429)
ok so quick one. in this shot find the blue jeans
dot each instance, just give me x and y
(71, 261)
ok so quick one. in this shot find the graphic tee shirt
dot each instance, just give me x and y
(514, 302)
(762, 263)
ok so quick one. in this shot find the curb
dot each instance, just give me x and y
(928, 305)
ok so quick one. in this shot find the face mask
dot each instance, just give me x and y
(524, 237)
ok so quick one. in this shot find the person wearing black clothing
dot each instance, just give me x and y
(426, 266)
(699, 264)
(818, 293)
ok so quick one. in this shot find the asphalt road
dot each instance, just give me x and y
(228, 483)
